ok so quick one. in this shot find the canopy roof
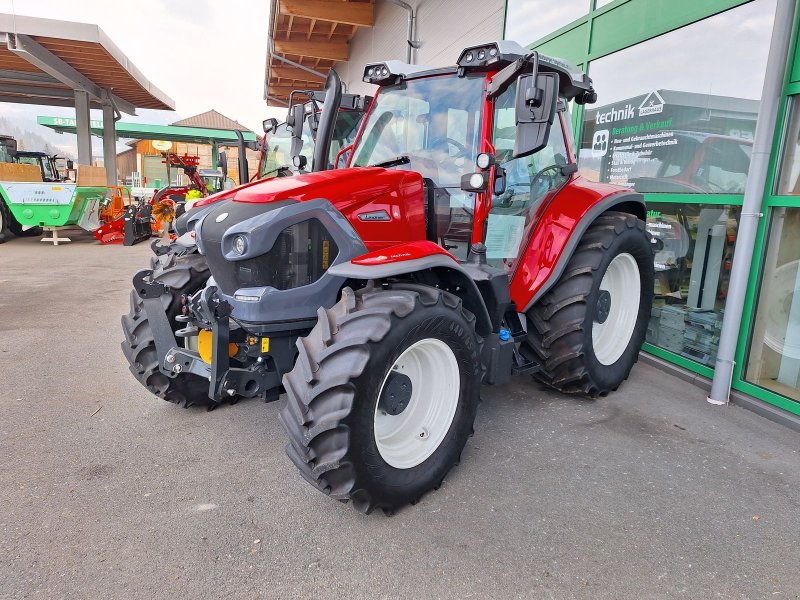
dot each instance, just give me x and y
(145, 131)
(312, 35)
(43, 61)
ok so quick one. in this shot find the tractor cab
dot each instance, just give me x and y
(42, 160)
(8, 148)
(490, 138)
(288, 148)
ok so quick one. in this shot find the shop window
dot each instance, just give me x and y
(677, 113)
(692, 270)
(774, 355)
(789, 169)
(530, 20)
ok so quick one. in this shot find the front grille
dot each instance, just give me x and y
(215, 224)
(300, 256)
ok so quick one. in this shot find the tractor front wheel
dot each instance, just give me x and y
(383, 395)
(185, 276)
(588, 328)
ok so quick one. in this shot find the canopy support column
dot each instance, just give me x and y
(82, 127)
(110, 143)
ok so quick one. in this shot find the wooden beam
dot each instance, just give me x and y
(328, 50)
(352, 13)
(287, 72)
(279, 91)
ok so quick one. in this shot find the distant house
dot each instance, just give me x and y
(146, 159)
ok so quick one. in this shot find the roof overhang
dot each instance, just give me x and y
(306, 38)
(144, 131)
(44, 61)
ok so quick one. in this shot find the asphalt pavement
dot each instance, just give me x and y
(109, 492)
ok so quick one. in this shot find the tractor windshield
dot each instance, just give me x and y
(434, 122)
(277, 150)
(40, 161)
(430, 125)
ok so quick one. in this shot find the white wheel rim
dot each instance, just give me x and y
(409, 438)
(611, 337)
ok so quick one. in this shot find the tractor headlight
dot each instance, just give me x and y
(469, 57)
(370, 71)
(484, 160)
(481, 54)
(475, 182)
(239, 245)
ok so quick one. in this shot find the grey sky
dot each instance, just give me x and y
(202, 53)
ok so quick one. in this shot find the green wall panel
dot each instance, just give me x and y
(570, 45)
(637, 20)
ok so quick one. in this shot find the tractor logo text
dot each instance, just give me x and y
(651, 105)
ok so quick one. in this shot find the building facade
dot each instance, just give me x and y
(679, 86)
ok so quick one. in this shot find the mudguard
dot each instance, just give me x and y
(559, 232)
(416, 258)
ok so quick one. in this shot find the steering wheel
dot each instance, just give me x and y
(462, 149)
(540, 175)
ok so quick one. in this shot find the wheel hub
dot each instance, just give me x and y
(396, 393)
(416, 404)
(603, 306)
(615, 322)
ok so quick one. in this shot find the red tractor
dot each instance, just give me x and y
(458, 247)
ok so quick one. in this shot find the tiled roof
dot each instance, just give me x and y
(212, 120)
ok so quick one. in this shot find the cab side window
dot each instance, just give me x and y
(529, 181)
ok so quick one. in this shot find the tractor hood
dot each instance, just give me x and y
(385, 206)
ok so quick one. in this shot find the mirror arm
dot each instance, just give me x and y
(506, 76)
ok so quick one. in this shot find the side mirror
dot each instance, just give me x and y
(295, 121)
(536, 101)
(70, 165)
(499, 181)
(222, 162)
(270, 125)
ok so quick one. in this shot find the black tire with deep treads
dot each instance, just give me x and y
(5, 220)
(185, 276)
(560, 324)
(333, 392)
(17, 230)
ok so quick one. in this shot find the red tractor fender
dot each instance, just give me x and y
(559, 231)
(426, 263)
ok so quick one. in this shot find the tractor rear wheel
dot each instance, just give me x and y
(588, 328)
(185, 276)
(17, 230)
(5, 221)
(383, 395)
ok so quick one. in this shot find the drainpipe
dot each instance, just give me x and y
(751, 206)
(410, 33)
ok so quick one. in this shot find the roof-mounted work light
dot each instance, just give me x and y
(389, 72)
(492, 55)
